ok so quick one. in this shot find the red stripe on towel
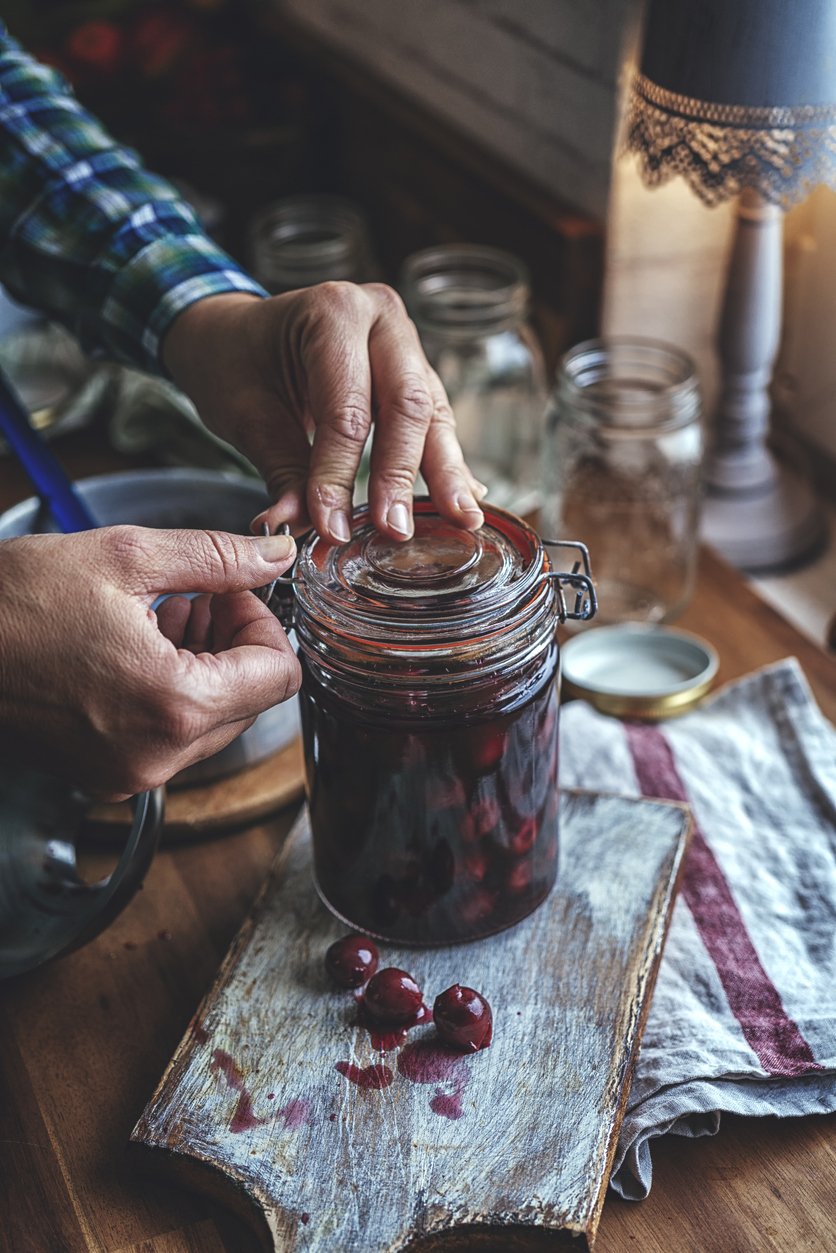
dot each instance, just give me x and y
(752, 996)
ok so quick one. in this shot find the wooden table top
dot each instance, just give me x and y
(84, 1041)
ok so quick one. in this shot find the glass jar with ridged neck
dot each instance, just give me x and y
(622, 463)
(303, 240)
(471, 306)
(429, 713)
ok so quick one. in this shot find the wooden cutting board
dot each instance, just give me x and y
(276, 1101)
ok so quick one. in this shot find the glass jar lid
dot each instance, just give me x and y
(446, 607)
(442, 572)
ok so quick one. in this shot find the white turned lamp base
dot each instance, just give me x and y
(759, 514)
(773, 527)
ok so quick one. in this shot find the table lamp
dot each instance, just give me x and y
(739, 98)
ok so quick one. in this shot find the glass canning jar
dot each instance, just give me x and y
(303, 240)
(429, 715)
(622, 466)
(470, 305)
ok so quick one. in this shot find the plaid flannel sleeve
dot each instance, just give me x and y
(86, 233)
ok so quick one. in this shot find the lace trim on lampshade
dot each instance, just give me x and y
(720, 149)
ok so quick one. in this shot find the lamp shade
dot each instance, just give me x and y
(737, 93)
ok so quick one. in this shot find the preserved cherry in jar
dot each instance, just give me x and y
(430, 721)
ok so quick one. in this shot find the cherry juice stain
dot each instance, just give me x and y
(426, 1061)
(370, 1078)
(243, 1117)
(296, 1113)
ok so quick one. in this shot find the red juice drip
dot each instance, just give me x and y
(425, 1061)
(448, 1104)
(370, 1078)
(296, 1113)
(383, 1038)
(243, 1118)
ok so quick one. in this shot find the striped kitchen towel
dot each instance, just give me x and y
(743, 1017)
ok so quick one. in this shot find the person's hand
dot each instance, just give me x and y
(96, 685)
(296, 382)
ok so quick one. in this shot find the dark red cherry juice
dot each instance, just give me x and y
(429, 712)
(432, 833)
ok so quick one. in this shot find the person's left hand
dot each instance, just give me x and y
(296, 382)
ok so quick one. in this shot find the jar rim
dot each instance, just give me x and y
(308, 238)
(465, 288)
(631, 386)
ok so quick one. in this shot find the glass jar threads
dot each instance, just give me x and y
(303, 240)
(429, 715)
(624, 448)
(470, 304)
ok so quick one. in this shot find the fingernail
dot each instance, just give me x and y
(479, 489)
(258, 521)
(398, 519)
(275, 547)
(339, 527)
(466, 504)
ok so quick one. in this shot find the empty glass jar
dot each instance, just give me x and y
(622, 465)
(470, 304)
(303, 240)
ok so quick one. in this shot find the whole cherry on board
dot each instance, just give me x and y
(351, 961)
(463, 1019)
(393, 996)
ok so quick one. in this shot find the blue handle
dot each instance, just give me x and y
(47, 476)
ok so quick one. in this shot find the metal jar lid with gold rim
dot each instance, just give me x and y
(637, 671)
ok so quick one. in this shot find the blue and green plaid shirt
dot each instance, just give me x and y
(86, 233)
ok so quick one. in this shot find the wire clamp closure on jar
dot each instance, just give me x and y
(586, 599)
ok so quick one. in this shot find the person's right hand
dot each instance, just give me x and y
(96, 686)
(298, 382)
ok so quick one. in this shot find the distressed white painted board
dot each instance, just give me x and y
(519, 1135)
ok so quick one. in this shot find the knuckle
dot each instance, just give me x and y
(174, 718)
(127, 546)
(352, 420)
(327, 495)
(222, 549)
(339, 296)
(413, 404)
(397, 480)
(182, 725)
(386, 298)
(443, 414)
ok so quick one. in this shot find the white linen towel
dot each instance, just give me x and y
(743, 1017)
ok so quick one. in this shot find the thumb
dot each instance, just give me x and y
(153, 562)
